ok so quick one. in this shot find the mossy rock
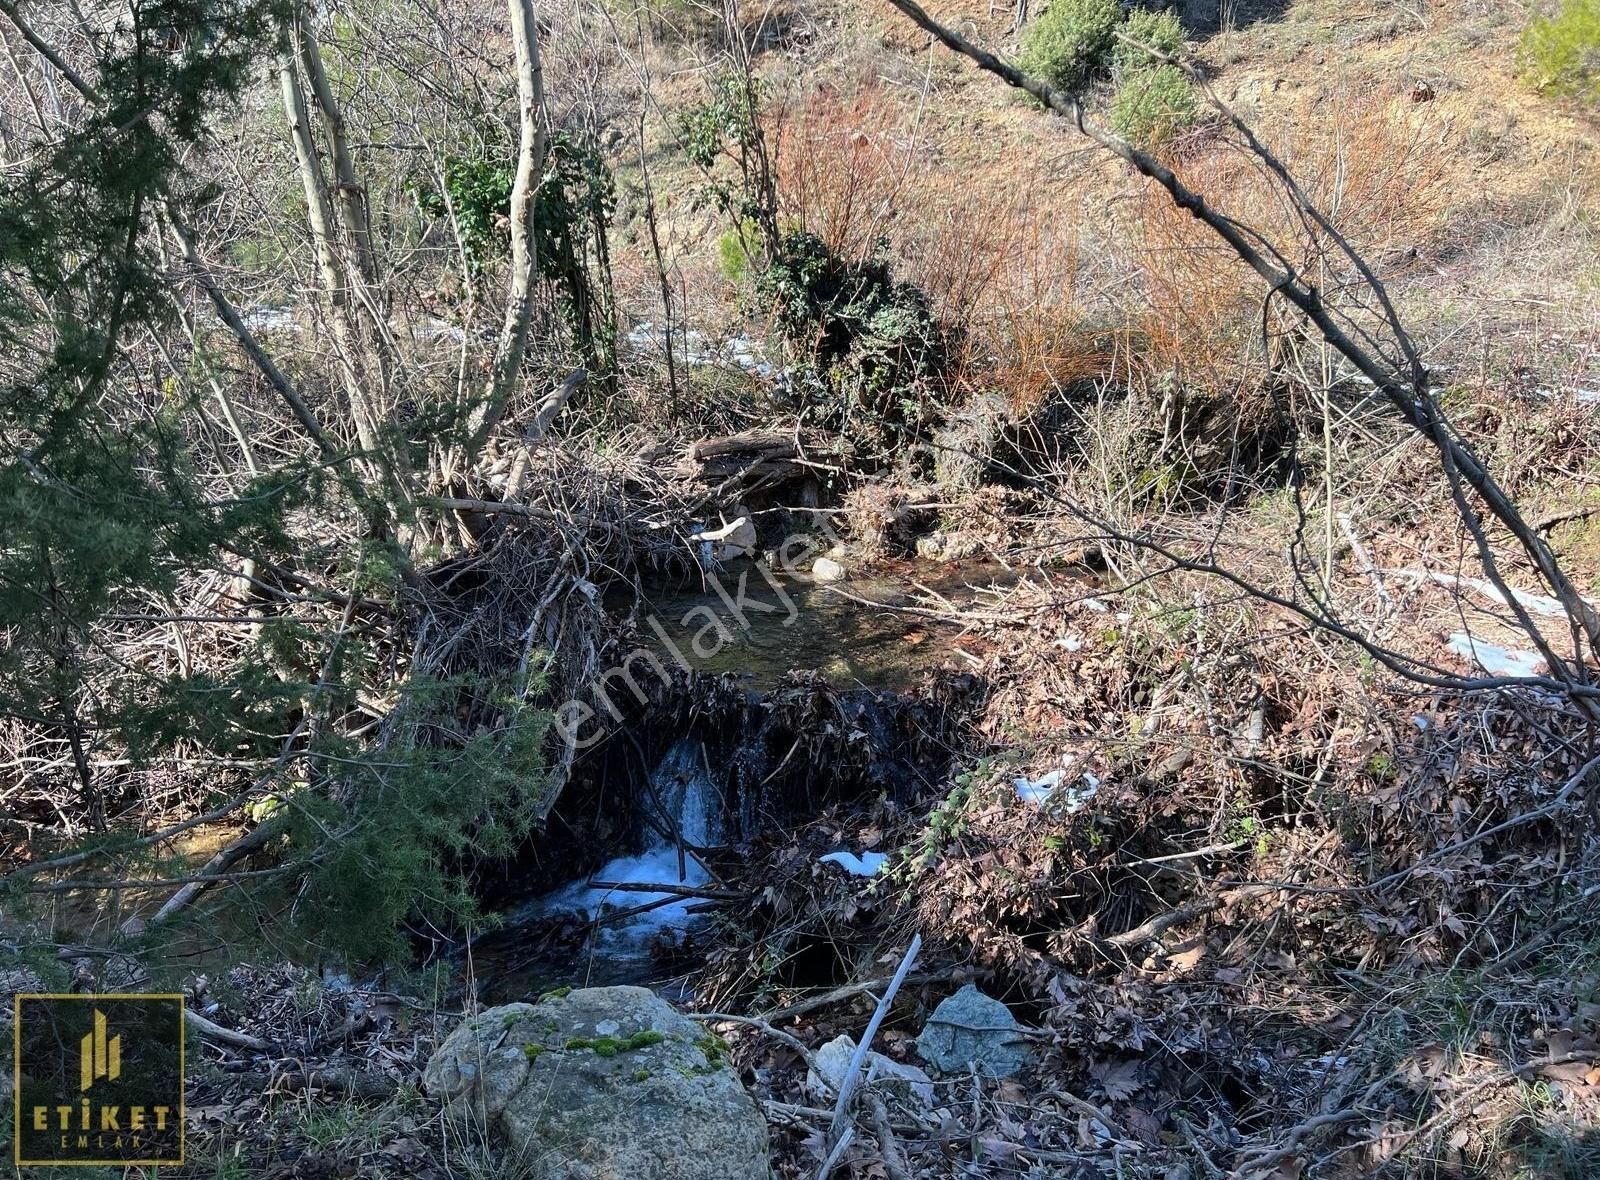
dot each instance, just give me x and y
(608, 1081)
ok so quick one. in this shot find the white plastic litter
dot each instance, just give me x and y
(1047, 788)
(868, 864)
(1038, 790)
(1495, 660)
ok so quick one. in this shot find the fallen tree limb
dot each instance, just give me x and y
(776, 1034)
(506, 508)
(675, 890)
(213, 871)
(848, 991)
(894, 1160)
(227, 1036)
(353, 1083)
(1155, 927)
(1550, 520)
(858, 1059)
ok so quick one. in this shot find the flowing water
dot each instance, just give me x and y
(876, 633)
(591, 932)
(752, 624)
(682, 801)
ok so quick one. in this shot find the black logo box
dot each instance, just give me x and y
(70, 1112)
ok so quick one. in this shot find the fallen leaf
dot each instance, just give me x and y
(1119, 1079)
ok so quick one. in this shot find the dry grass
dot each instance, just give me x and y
(1377, 173)
(868, 175)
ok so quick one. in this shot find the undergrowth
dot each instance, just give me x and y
(879, 353)
(1561, 54)
(1078, 41)
(1067, 46)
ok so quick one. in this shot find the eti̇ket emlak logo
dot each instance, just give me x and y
(98, 1079)
(99, 1056)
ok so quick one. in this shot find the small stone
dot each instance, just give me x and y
(741, 542)
(826, 569)
(833, 1061)
(972, 1031)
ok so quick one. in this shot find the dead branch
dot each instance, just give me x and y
(858, 1060)
(227, 1036)
(213, 871)
(776, 1034)
(674, 890)
(848, 991)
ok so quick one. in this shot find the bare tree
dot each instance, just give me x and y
(342, 245)
(530, 163)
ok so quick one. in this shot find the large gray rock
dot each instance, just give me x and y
(607, 1083)
(972, 1031)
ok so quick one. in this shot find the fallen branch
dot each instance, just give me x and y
(776, 1034)
(352, 1083)
(227, 1036)
(848, 991)
(894, 1160)
(213, 871)
(675, 890)
(1549, 521)
(852, 1073)
(1155, 927)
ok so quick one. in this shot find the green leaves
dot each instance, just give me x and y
(479, 191)
(1159, 31)
(387, 847)
(1077, 41)
(1154, 100)
(874, 338)
(573, 207)
(727, 121)
(1069, 44)
(1561, 54)
(727, 127)
(1152, 104)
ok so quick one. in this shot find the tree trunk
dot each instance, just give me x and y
(364, 412)
(530, 165)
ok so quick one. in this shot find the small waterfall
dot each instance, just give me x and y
(679, 786)
(681, 798)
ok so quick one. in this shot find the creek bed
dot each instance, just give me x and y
(759, 627)
(874, 633)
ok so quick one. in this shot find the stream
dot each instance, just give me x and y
(873, 633)
(590, 932)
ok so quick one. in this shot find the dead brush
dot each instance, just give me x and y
(842, 169)
(860, 177)
(1039, 334)
(1377, 172)
(1270, 856)
(1009, 271)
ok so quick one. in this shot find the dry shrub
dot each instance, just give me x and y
(1037, 330)
(1378, 176)
(1003, 269)
(842, 166)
